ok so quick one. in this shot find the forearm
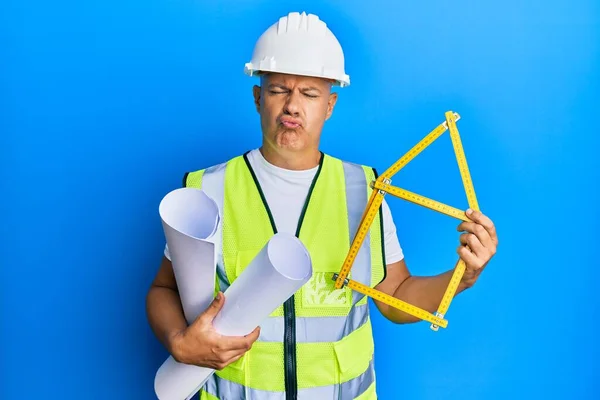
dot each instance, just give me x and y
(425, 292)
(165, 314)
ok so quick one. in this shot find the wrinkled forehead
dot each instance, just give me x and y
(269, 78)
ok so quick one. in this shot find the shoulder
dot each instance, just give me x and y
(347, 161)
(370, 171)
(194, 177)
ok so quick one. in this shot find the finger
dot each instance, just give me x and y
(485, 221)
(470, 259)
(215, 306)
(239, 342)
(252, 336)
(479, 231)
(222, 364)
(235, 358)
(228, 356)
(469, 239)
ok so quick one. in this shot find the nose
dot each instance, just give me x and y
(292, 104)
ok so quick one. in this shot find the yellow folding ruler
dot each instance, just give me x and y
(381, 186)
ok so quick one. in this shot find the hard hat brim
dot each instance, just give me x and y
(342, 81)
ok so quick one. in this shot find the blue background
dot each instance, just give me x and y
(105, 104)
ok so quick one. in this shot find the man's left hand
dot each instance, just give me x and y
(478, 245)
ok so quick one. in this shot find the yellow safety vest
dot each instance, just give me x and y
(319, 343)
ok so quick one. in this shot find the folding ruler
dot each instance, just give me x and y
(381, 186)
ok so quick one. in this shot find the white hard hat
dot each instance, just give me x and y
(299, 44)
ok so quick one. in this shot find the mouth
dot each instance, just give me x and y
(290, 123)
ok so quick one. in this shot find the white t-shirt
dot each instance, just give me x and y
(286, 190)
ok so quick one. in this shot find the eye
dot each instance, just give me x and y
(277, 91)
(312, 96)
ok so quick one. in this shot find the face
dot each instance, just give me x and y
(293, 110)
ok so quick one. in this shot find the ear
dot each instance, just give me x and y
(331, 104)
(256, 93)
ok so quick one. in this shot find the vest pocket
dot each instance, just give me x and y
(243, 259)
(239, 364)
(237, 371)
(320, 291)
(354, 352)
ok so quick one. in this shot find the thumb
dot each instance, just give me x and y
(215, 306)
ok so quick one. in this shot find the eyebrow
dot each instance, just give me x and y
(277, 85)
(312, 88)
(282, 86)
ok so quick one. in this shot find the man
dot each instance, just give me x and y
(319, 344)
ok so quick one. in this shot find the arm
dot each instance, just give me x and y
(163, 306)
(199, 343)
(425, 292)
(477, 246)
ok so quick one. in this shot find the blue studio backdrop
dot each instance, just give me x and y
(105, 105)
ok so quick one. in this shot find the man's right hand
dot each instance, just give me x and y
(200, 344)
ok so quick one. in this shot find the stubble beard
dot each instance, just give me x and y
(290, 139)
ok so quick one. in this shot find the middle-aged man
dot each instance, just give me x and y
(319, 343)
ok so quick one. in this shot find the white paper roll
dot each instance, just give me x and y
(190, 219)
(281, 268)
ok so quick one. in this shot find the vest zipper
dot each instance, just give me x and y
(289, 349)
(289, 308)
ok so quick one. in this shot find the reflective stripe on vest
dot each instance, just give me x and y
(322, 329)
(356, 202)
(223, 389)
(333, 330)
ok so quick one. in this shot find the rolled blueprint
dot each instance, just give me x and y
(279, 269)
(190, 220)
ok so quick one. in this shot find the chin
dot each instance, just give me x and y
(290, 139)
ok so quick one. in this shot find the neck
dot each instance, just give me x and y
(292, 160)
